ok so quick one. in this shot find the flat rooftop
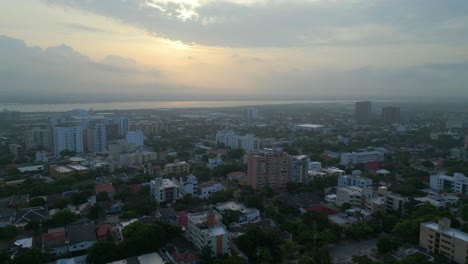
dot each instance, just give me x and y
(63, 169)
(78, 167)
(448, 231)
(217, 231)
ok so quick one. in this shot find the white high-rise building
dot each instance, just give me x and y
(135, 137)
(99, 138)
(233, 140)
(38, 137)
(68, 138)
(251, 115)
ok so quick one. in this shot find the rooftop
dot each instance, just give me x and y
(448, 231)
(81, 232)
(63, 169)
(107, 187)
(217, 231)
(231, 206)
(78, 167)
(208, 184)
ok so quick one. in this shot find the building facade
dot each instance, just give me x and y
(363, 112)
(38, 138)
(135, 137)
(187, 184)
(164, 190)
(206, 229)
(177, 168)
(439, 238)
(233, 140)
(350, 180)
(361, 157)
(299, 169)
(267, 168)
(391, 114)
(68, 138)
(457, 183)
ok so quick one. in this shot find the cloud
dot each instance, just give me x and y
(82, 27)
(62, 70)
(286, 23)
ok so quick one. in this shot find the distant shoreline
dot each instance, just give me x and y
(141, 105)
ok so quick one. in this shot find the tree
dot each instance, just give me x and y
(96, 212)
(29, 256)
(102, 197)
(230, 260)
(345, 206)
(102, 252)
(37, 201)
(230, 216)
(206, 256)
(387, 244)
(359, 231)
(363, 260)
(79, 198)
(8, 232)
(427, 164)
(63, 218)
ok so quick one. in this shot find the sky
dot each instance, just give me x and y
(105, 50)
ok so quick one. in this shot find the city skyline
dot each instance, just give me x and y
(244, 49)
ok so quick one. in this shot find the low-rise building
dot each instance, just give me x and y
(206, 189)
(164, 191)
(361, 157)
(55, 242)
(245, 214)
(349, 195)
(17, 201)
(187, 184)
(25, 215)
(206, 229)
(177, 168)
(458, 183)
(81, 236)
(440, 238)
(349, 217)
(350, 180)
(214, 162)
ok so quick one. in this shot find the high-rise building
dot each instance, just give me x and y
(99, 138)
(233, 140)
(123, 126)
(38, 138)
(112, 131)
(391, 114)
(440, 238)
(363, 112)
(267, 168)
(299, 170)
(135, 137)
(68, 138)
(251, 115)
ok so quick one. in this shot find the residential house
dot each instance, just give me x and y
(81, 236)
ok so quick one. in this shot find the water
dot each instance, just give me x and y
(145, 105)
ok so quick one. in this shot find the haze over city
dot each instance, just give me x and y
(91, 51)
